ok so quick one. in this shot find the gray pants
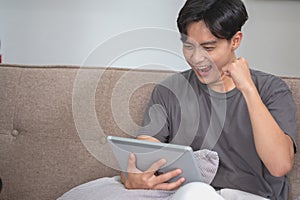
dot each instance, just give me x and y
(112, 189)
(197, 190)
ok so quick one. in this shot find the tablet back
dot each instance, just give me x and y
(177, 156)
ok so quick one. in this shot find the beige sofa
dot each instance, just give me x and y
(41, 154)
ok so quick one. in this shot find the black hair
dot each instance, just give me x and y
(223, 17)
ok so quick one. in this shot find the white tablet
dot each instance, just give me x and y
(177, 156)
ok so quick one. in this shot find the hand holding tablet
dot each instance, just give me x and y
(146, 153)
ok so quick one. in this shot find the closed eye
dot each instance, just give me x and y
(188, 46)
(209, 48)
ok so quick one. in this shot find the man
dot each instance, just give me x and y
(253, 111)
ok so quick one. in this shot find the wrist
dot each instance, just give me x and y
(251, 97)
(249, 90)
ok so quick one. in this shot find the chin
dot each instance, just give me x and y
(209, 79)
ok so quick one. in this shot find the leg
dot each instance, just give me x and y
(239, 195)
(196, 190)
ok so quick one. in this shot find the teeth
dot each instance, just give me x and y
(203, 67)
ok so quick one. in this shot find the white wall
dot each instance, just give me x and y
(74, 32)
(271, 36)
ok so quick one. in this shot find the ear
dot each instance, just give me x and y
(236, 40)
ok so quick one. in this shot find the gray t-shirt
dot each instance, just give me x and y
(184, 111)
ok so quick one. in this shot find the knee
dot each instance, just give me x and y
(196, 190)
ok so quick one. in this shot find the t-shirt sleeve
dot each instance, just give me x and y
(156, 123)
(279, 101)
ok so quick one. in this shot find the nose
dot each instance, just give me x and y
(198, 56)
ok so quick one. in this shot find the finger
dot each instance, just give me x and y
(241, 59)
(226, 70)
(147, 138)
(167, 176)
(131, 166)
(170, 186)
(156, 166)
(227, 73)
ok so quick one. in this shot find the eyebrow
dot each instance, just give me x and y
(208, 43)
(204, 43)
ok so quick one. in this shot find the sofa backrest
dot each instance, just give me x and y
(44, 151)
(41, 153)
(294, 175)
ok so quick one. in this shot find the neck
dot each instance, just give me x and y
(225, 84)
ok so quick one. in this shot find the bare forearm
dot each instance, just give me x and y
(274, 147)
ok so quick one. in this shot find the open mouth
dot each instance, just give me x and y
(203, 70)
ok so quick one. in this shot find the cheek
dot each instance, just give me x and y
(220, 58)
(187, 54)
(214, 58)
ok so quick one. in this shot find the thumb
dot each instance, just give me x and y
(225, 70)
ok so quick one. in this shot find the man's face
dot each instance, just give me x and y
(206, 54)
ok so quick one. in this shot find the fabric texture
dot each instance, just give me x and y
(197, 190)
(208, 162)
(232, 194)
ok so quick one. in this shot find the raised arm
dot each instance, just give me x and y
(274, 147)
